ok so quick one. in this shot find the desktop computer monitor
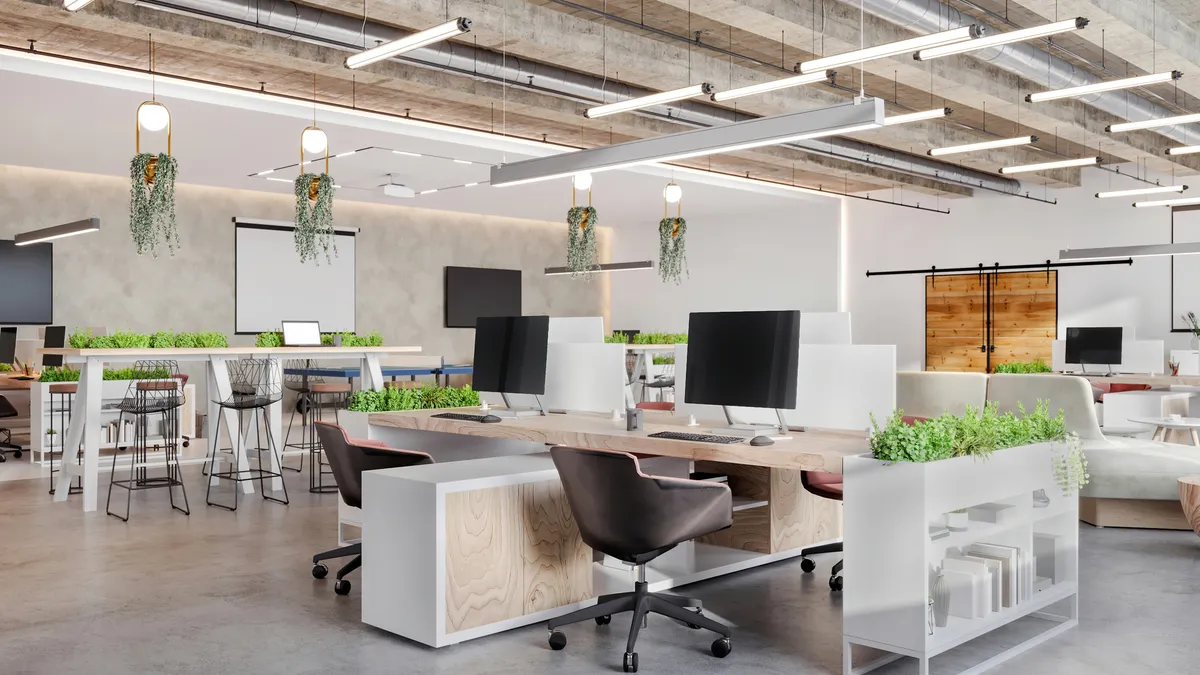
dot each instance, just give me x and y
(55, 338)
(744, 359)
(1094, 346)
(8, 345)
(301, 333)
(510, 354)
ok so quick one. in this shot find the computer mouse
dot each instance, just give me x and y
(489, 419)
(762, 440)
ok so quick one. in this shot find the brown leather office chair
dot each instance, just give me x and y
(348, 458)
(635, 518)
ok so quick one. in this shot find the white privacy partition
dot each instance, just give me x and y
(1137, 356)
(585, 377)
(826, 328)
(576, 329)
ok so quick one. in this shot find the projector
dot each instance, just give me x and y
(398, 191)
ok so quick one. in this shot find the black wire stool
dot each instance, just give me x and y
(320, 473)
(155, 390)
(304, 405)
(62, 398)
(254, 386)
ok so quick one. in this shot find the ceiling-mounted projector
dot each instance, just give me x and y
(398, 191)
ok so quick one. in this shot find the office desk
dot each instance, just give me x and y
(1152, 380)
(9, 381)
(86, 417)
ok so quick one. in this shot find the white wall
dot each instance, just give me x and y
(991, 228)
(777, 257)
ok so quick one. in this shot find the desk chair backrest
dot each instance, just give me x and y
(350, 457)
(631, 516)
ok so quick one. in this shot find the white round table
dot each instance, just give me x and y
(1163, 424)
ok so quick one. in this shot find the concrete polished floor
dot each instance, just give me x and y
(230, 593)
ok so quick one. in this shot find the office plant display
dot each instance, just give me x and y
(371, 339)
(1022, 367)
(660, 339)
(425, 397)
(5, 367)
(581, 239)
(314, 216)
(123, 339)
(672, 249)
(152, 202)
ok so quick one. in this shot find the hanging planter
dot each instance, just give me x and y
(314, 217)
(152, 186)
(672, 238)
(581, 237)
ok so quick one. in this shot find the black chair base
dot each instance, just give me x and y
(807, 565)
(7, 446)
(319, 571)
(643, 603)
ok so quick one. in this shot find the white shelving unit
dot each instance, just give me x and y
(890, 557)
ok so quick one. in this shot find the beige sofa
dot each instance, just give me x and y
(1133, 482)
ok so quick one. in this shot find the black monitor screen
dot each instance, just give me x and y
(510, 354)
(8, 345)
(56, 337)
(26, 283)
(747, 359)
(472, 292)
(1099, 346)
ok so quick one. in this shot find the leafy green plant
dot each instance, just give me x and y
(269, 339)
(664, 359)
(79, 339)
(660, 339)
(5, 367)
(1070, 465)
(617, 338)
(210, 339)
(59, 374)
(135, 374)
(1022, 367)
(162, 339)
(581, 240)
(314, 221)
(152, 207)
(976, 434)
(672, 249)
(425, 397)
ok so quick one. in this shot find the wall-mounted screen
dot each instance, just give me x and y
(27, 283)
(472, 292)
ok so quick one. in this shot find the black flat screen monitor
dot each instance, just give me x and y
(472, 292)
(1096, 346)
(510, 354)
(56, 338)
(746, 359)
(26, 283)
(8, 345)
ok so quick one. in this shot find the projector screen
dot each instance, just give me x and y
(273, 286)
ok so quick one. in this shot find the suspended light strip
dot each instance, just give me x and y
(1098, 87)
(75, 5)
(57, 232)
(1160, 189)
(986, 145)
(1153, 124)
(917, 116)
(776, 85)
(1189, 150)
(1187, 201)
(1002, 39)
(407, 44)
(1065, 164)
(956, 35)
(660, 98)
(1145, 251)
(604, 267)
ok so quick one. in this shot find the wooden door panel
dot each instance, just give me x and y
(1025, 316)
(954, 323)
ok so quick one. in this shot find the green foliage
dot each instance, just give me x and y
(268, 340)
(152, 208)
(1022, 367)
(63, 374)
(163, 339)
(617, 338)
(425, 397)
(210, 339)
(975, 434)
(68, 374)
(1070, 466)
(314, 231)
(5, 367)
(372, 339)
(581, 240)
(672, 249)
(660, 339)
(80, 339)
(664, 359)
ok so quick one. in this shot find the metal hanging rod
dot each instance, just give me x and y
(997, 267)
(1119, 172)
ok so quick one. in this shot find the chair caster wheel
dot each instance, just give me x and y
(629, 664)
(320, 570)
(342, 587)
(187, 444)
(558, 641)
(17, 454)
(807, 565)
(835, 583)
(721, 647)
(603, 620)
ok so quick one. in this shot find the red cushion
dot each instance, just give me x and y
(912, 419)
(1115, 388)
(656, 405)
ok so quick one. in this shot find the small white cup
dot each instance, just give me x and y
(1174, 417)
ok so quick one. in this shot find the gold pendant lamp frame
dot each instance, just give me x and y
(152, 164)
(315, 183)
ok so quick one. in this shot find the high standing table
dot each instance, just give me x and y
(85, 413)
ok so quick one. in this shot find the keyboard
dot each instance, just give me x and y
(460, 417)
(697, 438)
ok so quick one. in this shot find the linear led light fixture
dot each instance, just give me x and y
(837, 119)
(1064, 164)
(776, 85)
(1111, 85)
(1186, 201)
(986, 145)
(406, 44)
(662, 97)
(604, 267)
(57, 232)
(1152, 124)
(1156, 190)
(1144, 251)
(936, 51)
(937, 113)
(947, 37)
(75, 5)
(1189, 150)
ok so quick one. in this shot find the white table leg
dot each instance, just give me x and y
(84, 427)
(372, 374)
(275, 425)
(219, 376)
(1195, 437)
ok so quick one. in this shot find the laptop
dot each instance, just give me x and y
(302, 334)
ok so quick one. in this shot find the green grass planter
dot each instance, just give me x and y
(425, 397)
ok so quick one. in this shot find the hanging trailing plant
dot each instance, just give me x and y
(152, 202)
(314, 217)
(581, 240)
(672, 249)
(1070, 465)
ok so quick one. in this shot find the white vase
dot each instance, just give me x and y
(940, 596)
(1195, 343)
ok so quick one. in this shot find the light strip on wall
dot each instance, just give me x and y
(1153, 124)
(986, 145)
(57, 232)
(776, 85)
(1127, 83)
(917, 116)
(1065, 164)
(1158, 189)
(406, 44)
(1187, 201)
(1189, 150)
(1145, 251)
(829, 121)
(660, 98)
(605, 267)
(1002, 39)
(947, 37)
(75, 5)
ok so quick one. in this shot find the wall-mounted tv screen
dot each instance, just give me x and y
(27, 283)
(472, 292)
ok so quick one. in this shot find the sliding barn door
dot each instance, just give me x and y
(973, 321)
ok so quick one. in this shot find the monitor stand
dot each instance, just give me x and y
(510, 411)
(754, 430)
(1083, 370)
